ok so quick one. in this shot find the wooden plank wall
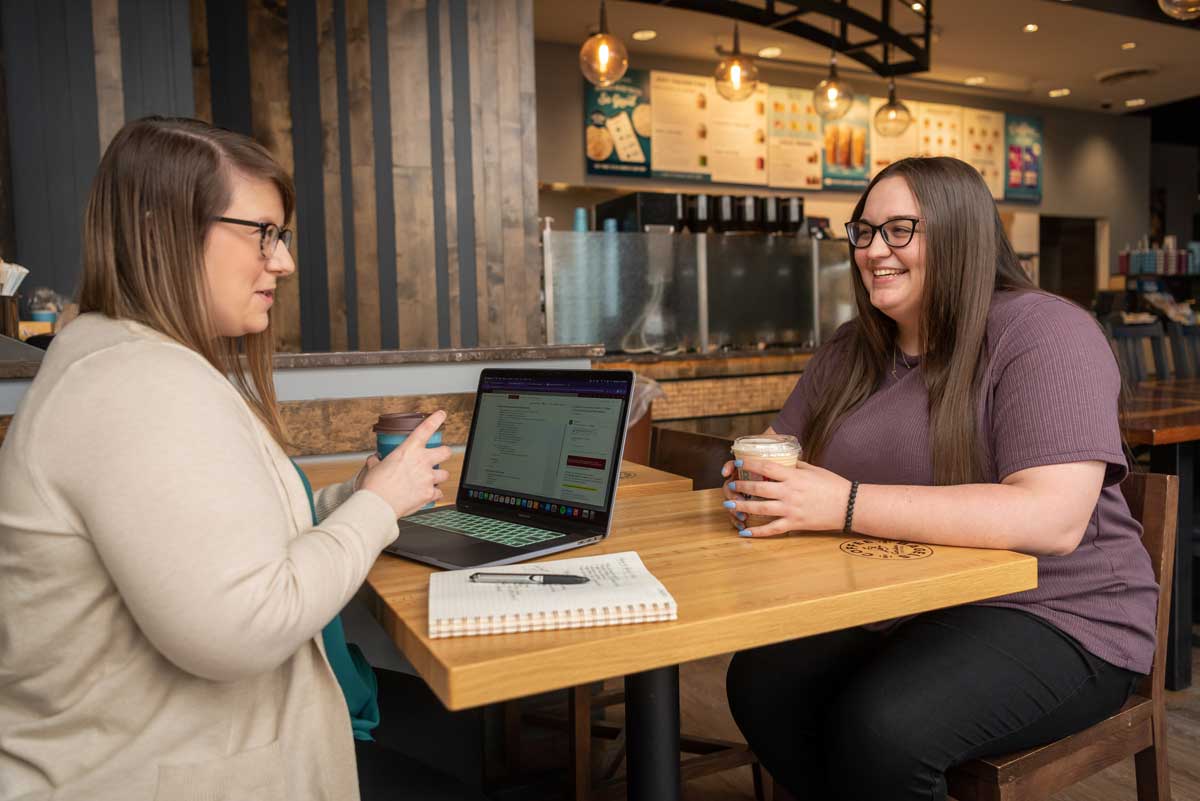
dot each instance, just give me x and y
(454, 80)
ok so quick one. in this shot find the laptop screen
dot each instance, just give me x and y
(547, 442)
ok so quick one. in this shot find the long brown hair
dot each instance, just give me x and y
(159, 186)
(967, 258)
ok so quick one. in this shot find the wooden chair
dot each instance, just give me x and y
(1138, 730)
(685, 453)
(1185, 349)
(1130, 341)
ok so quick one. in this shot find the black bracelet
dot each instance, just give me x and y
(850, 507)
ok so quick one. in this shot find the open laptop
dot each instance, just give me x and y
(539, 475)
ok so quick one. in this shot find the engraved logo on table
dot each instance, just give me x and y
(627, 474)
(886, 549)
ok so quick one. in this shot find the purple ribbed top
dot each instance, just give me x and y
(1049, 396)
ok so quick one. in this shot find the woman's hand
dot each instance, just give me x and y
(802, 498)
(406, 479)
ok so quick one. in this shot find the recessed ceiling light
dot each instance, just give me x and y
(1031, 27)
(975, 80)
(645, 35)
(1128, 45)
(1134, 102)
(918, 7)
(1059, 92)
(770, 52)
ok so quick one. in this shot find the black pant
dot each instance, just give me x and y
(858, 714)
(421, 751)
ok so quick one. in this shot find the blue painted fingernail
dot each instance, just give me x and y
(741, 515)
(745, 533)
(729, 505)
(737, 462)
(733, 485)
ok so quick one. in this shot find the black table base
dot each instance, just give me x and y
(652, 728)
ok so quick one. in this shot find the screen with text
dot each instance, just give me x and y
(547, 441)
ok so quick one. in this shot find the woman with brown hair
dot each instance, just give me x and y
(961, 407)
(163, 586)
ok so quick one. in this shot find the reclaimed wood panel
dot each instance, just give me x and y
(362, 166)
(450, 188)
(709, 397)
(343, 425)
(331, 175)
(412, 174)
(110, 89)
(512, 195)
(667, 369)
(271, 121)
(8, 234)
(531, 263)
(201, 73)
(485, 171)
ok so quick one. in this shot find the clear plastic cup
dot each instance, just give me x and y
(782, 449)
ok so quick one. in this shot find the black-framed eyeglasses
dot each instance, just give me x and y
(269, 234)
(897, 232)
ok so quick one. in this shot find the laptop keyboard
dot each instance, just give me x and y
(500, 532)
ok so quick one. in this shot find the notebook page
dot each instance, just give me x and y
(620, 590)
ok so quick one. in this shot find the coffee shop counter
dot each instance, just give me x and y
(329, 401)
(728, 393)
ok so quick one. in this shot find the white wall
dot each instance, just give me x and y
(1096, 165)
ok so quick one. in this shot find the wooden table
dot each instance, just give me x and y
(1166, 416)
(732, 593)
(637, 480)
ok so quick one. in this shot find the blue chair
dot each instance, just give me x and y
(1185, 349)
(1130, 346)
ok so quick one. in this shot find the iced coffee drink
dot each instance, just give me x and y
(782, 449)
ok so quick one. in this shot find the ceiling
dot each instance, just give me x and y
(1073, 47)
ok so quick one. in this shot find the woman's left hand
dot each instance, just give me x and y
(802, 498)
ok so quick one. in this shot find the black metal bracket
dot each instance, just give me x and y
(789, 16)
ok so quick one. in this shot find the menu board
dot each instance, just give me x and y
(737, 131)
(847, 154)
(983, 146)
(888, 149)
(939, 130)
(618, 125)
(680, 125)
(793, 139)
(1023, 159)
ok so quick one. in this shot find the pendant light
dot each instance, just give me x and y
(833, 97)
(736, 75)
(1181, 9)
(893, 117)
(603, 58)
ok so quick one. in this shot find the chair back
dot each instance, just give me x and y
(1130, 341)
(686, 453)
(1185, 349)
(1153, 499)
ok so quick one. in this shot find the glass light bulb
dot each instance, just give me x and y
(833, 98)
(1181, 9)
(603, 59)
(893, 118)
(736, 77)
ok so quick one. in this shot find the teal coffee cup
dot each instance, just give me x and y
(392, 429)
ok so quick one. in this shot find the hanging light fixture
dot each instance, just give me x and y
(1181, 9)
(892, 118)
(603, 58)
(736, 75)
(833, 97)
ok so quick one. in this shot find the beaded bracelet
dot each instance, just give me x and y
(850, 507)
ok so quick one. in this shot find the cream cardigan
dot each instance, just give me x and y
(162, 588)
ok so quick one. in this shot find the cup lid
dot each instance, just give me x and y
(768, 445)
(398, 423)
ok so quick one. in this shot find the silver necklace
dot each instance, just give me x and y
(907, 366)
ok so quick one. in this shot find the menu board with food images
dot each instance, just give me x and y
(737, 131)
(983, 146)
(1023, 159)
(680, 125)
(939, 130)
(847, 154)
(618, 126)
(888, 149)
(793, 139)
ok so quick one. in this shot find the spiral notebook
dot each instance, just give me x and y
(620, 590)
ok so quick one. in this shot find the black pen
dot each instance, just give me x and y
(526, 578)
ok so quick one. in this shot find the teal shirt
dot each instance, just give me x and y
(351, 668)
